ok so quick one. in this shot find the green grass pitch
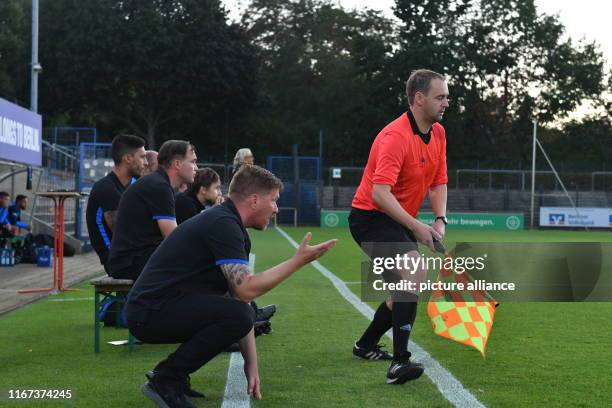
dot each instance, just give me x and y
(539, 354)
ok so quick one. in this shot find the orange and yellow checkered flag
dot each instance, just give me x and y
(465, 317)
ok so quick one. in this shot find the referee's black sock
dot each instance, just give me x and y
(404, 314)
(378, 327)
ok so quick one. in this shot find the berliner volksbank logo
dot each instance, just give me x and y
(556, 219)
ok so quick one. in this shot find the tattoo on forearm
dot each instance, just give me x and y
(235, 274)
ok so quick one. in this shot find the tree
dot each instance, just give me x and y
(322, 69)
(507, 65)
(14, 51)
(160, 69)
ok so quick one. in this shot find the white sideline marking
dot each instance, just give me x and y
(235, 395)
(70, 299)
(449, 386)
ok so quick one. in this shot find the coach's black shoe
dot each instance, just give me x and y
(187, 390)
(403, 370)
(265, 313)
(166, 394)
(374, 353)
(262, 327)
(190, 392)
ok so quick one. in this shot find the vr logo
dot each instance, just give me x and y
(556, 219)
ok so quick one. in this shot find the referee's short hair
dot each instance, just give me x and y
(420, 81)
(253, 180)
(204, 178)
(125, 144)
(172, 150)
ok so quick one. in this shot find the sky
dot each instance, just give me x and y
(583, 19)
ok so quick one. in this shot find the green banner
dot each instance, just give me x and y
(473, 221)
(334, 219)
(479, 221)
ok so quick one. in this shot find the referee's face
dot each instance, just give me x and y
(436, 100)
(265, 209)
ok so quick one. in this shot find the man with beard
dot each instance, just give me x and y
(196, 287)
(146, 210)
(204, 193)
(128, 154)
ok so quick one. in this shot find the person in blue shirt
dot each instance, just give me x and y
(14, 212)
(6, 228)
(5, 199)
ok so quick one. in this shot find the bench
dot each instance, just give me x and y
(106, 288)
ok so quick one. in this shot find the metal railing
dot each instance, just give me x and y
(59, 171)
(295, 215)
(521, 179)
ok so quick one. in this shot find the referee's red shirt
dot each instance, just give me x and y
(401, 159)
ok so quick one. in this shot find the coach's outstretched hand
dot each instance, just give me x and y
(307, 253)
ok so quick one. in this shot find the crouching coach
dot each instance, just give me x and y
(196, 287)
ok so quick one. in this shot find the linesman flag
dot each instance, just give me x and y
(465, 317)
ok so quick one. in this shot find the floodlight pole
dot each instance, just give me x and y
(35, 68)
(533, 169)
(321, 154)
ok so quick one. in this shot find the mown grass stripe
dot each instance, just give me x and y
(235, 395)
(449, 386)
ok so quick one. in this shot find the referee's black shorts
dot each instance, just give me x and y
(374, 227)
(379, 235)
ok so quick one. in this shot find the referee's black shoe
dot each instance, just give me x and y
(166, 394)
(187, 390)
(402, 370)
(374, 353)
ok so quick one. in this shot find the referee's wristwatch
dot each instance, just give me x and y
(443, 218)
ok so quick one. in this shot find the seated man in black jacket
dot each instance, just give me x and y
(203, 193)
(146, 210)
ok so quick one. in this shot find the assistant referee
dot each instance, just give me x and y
(407, 160)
